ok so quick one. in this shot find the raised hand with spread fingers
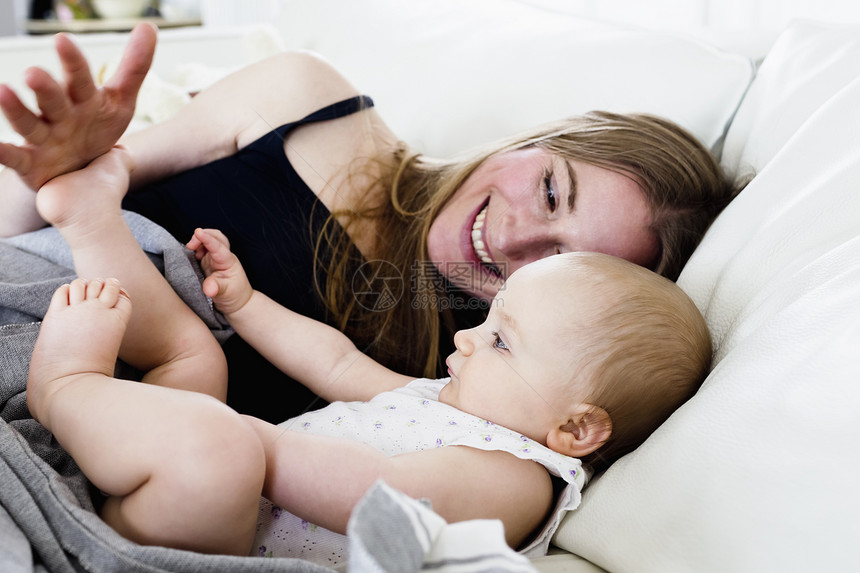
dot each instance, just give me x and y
(76, 121)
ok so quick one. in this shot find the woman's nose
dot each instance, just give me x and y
(522, 239)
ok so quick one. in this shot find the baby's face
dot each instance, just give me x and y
(516, 368)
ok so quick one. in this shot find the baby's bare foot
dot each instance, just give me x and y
(80, 334)
(78, 202)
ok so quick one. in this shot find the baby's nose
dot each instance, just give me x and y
(463, 341)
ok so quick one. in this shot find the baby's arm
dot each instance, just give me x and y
(320, 479)
(317, 355)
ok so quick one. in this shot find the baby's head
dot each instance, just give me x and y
(584, 352)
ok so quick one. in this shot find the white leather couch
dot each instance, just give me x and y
(760, 470)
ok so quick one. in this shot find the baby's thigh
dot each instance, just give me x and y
(204, 488)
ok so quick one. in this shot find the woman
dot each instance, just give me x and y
(335, 217)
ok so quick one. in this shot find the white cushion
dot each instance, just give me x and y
(448, 75)
(758, 472)
(808, 64)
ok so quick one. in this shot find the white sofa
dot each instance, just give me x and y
(759, 472)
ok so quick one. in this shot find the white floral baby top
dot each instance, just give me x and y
(406, 420)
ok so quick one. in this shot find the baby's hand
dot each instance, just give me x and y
(77, 121)
(226, 282)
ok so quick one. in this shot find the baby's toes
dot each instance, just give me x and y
(115, 297)
(77, 291)
(94, 289)
(110, 294)
(60, 300)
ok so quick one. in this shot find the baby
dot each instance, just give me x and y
(581, 357)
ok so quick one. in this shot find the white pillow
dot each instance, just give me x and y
(808, 64)
(448, 75)
(758, 472)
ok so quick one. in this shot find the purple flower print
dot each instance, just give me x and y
(262, 550)
(276, 512)
(438, 442)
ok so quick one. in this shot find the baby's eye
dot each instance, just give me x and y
(498, 342)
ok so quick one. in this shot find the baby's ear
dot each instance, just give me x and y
(587, 429)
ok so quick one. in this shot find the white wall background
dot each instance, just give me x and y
(728, 14)
(748, 26)
(669, 14)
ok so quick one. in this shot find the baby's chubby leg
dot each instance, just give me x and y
(164, 336)
(181, 468)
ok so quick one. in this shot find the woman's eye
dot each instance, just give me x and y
(498, 342)
(550, 191)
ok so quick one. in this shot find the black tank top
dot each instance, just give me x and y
(269, 214)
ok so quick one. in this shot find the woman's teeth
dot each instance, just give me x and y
(478, 239)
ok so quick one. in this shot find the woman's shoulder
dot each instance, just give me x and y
(288, 87)
(323, 152)
(309, 79)
(284, 88)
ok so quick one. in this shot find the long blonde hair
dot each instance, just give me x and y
(683, 185)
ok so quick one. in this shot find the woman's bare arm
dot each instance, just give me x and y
(235, 111)
(17, 206)
(78, 121)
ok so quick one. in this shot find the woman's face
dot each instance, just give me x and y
(527, 204)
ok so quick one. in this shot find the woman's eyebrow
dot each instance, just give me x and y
(571, 196)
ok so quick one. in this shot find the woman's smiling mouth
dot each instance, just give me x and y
(478, 244)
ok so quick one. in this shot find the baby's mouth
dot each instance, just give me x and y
(479, 246)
